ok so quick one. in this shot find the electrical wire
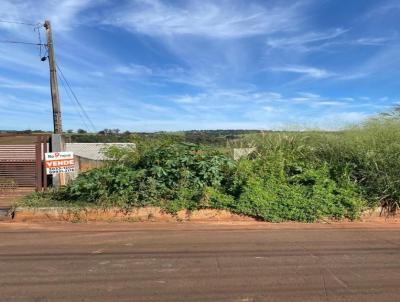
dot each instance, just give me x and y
(70, 98)
(76, 98)
(19, 22)
(37, 29)
(71, 94)
(64, 82)
(22, 42)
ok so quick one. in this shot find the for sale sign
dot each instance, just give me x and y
(59, 162)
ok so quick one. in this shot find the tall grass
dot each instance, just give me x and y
(368, 153)
(302, 176)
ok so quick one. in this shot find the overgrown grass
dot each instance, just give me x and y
(272, 186)
(298, 176)
(368, 154)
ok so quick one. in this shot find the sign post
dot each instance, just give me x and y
(58, 145)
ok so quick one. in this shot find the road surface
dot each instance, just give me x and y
(198, 262)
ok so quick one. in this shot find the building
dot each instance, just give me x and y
(91, 155)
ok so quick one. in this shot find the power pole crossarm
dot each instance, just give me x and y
(55, 98)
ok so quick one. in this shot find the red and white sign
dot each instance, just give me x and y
(59, 162)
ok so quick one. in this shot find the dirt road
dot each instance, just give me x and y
(199, 262)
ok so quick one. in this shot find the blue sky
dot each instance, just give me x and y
(148, 65)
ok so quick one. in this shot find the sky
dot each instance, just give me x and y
(153, 65)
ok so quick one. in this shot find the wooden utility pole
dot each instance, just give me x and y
(57, 139)
(55, 98)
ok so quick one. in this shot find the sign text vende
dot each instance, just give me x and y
(59, 162)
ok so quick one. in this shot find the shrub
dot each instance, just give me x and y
(283, 188)
(292, 176)
(368, 155)
(173, 176)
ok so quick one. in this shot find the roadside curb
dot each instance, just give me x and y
(155, 214)
(152, 214)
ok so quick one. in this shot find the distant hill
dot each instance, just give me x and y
(213, 137)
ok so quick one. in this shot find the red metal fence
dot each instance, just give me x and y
(21, 162)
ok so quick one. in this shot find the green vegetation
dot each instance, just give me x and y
(206, 137)
(296, 176)
(368, 154)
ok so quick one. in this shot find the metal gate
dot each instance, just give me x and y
(21, 162)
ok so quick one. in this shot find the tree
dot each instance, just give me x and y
(81, 131)
(105, 131)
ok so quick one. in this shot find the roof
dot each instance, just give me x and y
(94, 151)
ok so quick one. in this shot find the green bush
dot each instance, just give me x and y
(367, 154)
(299, 176)
(173, 176)
(277, 184)
(281, 187)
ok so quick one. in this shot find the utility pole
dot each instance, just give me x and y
(57, 139)
(55, 98)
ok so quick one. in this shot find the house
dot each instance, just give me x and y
(91, 155)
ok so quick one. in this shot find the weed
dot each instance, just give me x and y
(301, 176)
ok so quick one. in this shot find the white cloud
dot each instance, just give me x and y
(11, 103)
(189, 99)
(383, 9)
(315, 100)
(135, 70)
(155, 108)
(352, 75)
(309, 95)
(385, 62)
(269, 109)
(309, 71)
(373, 41)
(173, 74)
(302, 42)
(63, 14)
(216, 19)
(20, 85)
(211, 98)
(347, 99)
(329, 103)
(348, 117)
(301, 99)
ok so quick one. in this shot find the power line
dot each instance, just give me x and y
(71, 94)
(22, 42)
(18, 22)
(76, 98)
(68, 93)
(37, 29)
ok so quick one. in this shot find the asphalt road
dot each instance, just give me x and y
(198, 262)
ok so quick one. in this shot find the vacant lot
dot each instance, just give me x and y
(199, 262)
(290, 176)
